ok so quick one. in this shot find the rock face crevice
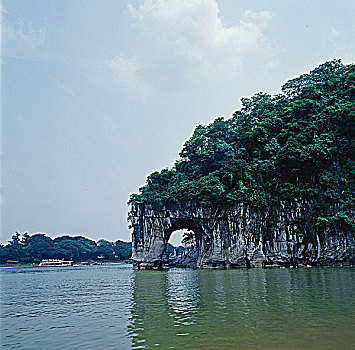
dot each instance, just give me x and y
(239, 237)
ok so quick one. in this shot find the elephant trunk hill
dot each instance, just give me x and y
(270, 186)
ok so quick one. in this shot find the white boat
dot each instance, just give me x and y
(55, 262)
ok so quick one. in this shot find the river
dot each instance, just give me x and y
(115, 307)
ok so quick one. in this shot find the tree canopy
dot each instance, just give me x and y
(33, 248)
(298, 144)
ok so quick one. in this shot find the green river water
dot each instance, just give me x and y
(114, 307)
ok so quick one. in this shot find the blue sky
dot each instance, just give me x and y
(98, 94)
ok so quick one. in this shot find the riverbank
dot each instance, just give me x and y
(12, 266)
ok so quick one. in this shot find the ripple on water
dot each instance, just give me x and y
(115, 307)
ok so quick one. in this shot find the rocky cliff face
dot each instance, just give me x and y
(241, 236)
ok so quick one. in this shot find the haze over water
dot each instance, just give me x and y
(114, 307)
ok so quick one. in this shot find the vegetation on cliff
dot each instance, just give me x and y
(294, 146)
(32, 248)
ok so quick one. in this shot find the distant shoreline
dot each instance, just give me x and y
(78, 264)
(130, 263)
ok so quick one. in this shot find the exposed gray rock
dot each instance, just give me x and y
(237, 237)
(187, 259)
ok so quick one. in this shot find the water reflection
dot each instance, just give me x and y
(182, 296)
(115, 307)
(253, 309)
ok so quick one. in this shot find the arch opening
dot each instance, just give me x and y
(182, 244)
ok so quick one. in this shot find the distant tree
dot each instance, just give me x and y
(76, 248)
(15, 239)
(14, 248)
(123, 250)
(40, 246)
(25, 239)
(33, 248)
(105, 249)
(188, 239)
(4, 254)
(87, 247)
(170, 249)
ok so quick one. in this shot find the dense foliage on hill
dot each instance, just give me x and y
(32, 248)
(297, 145)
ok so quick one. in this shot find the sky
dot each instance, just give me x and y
(96, 95)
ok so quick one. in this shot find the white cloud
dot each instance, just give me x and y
(335, 44)
(332, 36)
(23, 34)
(195, 30)
(124, 66)
(127, 72)
(260, 17)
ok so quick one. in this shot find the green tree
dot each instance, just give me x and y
(105, 249)
(295, 145)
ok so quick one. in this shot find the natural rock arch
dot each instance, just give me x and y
(241, 236)
(153, 228)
